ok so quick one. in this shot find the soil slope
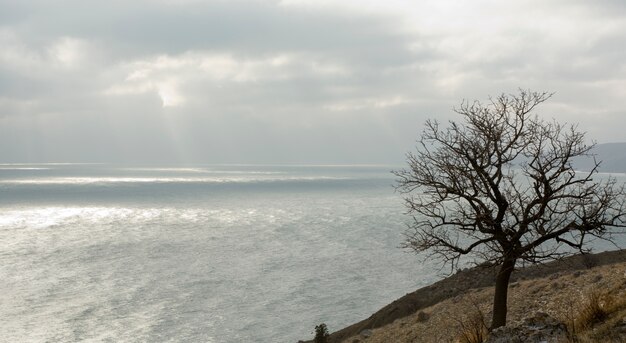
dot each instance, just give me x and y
(471, 281)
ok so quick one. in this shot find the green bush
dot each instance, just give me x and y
(321, 333)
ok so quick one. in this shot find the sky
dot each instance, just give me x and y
(290, 81)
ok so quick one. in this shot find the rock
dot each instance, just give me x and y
(538, 328)
(366, 333)
(503, 334)
(422, 316)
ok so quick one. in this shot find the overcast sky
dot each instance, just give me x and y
(293, 81)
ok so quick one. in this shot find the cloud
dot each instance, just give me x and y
(316, 81)
(170, 76)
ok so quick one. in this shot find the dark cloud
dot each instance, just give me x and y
(245, 28)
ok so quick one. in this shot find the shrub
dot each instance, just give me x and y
(321, 333)
(473, 327)
(594, 310)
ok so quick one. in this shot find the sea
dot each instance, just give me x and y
(202, 253)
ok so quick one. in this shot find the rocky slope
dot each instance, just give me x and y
(439, 312)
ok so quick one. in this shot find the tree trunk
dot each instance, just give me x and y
(501, 292)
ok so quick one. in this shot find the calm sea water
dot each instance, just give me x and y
(198, 254)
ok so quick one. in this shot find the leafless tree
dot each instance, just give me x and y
(500, 187)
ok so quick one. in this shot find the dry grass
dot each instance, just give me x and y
(473, 327)
(598, 317)
(578, 299)
(594, 310)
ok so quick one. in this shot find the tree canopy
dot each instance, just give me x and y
(500, 186)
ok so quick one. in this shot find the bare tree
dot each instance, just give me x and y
(500, 187)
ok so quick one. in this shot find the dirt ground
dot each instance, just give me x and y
(435, 313)
(559, 295)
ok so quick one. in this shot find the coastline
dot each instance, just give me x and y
(470, 280)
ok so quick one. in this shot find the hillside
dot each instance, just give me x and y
(612, 155)
(583, 306)
(430, 310)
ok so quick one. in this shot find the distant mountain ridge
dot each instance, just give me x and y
(612, 155)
